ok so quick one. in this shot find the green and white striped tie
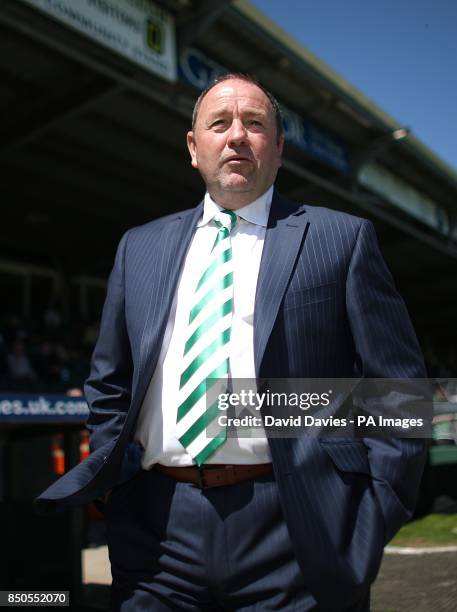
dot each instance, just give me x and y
(206, 352)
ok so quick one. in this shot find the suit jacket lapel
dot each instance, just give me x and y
(173, 244)
(286, 230)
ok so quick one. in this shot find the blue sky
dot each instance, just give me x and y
(400, 53)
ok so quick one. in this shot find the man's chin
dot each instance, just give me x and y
(239, 185)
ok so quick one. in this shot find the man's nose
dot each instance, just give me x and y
(237, 134)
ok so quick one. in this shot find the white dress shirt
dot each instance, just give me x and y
(156, 427)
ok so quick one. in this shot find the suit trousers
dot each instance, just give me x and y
(174, 546)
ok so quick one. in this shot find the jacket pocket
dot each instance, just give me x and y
(309, 295)
(348, 456)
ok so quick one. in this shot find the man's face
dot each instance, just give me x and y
(234, 144)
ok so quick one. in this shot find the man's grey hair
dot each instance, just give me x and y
(242, 77)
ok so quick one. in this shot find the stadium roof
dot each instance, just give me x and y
(94, 144)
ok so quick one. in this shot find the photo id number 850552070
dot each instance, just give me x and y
(34, 598)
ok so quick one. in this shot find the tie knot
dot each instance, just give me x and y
(225, 218)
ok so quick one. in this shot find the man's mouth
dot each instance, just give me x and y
(237, 159)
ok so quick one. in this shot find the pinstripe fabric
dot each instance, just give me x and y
(198, 572)
(325, 307)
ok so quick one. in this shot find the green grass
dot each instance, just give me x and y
(431, 530)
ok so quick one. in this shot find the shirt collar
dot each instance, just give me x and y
(256, 212)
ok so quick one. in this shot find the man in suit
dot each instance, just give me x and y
(245, 285)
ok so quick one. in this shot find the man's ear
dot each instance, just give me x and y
(280, 149)
(191, 145)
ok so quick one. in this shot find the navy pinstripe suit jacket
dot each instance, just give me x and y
(326, 307)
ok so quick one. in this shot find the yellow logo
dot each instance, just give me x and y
(154, 36)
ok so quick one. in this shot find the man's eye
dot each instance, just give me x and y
(217, 122)
(254, 122)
